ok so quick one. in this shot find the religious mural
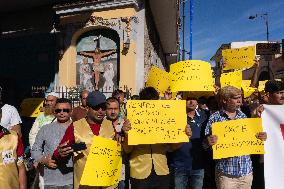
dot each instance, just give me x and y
(97, 62)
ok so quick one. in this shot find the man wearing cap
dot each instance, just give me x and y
(42, 119)
(84, 130)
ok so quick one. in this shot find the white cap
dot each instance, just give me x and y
(53, 94)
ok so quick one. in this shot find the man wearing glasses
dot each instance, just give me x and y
(78, 137)
(48, 138)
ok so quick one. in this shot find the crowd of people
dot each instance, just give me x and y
(61, 136)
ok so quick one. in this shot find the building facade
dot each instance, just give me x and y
(271, 67)
(70, 44)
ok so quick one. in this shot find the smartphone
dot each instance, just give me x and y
(79, 146)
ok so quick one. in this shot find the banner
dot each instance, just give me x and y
(248, 91)
(159, 79)
(191, 75)
(273, 125)
(157, 121)
(232, 79)
(104, 162)
(237, 138)
(238, 58)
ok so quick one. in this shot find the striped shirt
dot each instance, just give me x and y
(235, 166)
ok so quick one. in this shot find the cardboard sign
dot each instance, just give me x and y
(157, 121)
(30, 107)
(239, 58)
(248, 91)
(232, 79)
(104, 162)
(191, 75)
(237, 138)
(159, 79)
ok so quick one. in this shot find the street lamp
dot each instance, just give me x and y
(265, 17)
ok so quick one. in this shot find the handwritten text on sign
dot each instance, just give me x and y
(191, 75)
(104, 162)
(156, 121)
(237, 138)
(238, 58)
(232, 79)
(159, 79)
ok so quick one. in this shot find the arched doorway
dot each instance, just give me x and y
(263, 76)
(97, 60)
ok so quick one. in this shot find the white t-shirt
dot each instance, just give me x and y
(10, 116)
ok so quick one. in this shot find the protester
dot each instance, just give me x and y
(12, 169)
(84, 130)
(45, 117)
(10, 116)
(119, 94)
(148, 163)
(48, 138)
(234, 172)
(81, 111)
(187, 161)
(42, 119)
(112, 113)
(275, 96)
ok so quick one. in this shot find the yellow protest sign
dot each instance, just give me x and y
(237, 138)
(104, 162)
(191, 75)
(159, 79)
(156, 121)
(248, 91)
(238, 58)
(232, 79)
(261, 85)
(30, 107)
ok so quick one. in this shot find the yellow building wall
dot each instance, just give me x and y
(67, 65)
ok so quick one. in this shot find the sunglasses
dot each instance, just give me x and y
(62, 110)
(99, 106)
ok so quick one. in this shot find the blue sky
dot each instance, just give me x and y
(223, 21)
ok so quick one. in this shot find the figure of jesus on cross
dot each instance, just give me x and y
(97, 55)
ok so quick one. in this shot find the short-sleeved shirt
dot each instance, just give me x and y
(10, 116)
(235, 166)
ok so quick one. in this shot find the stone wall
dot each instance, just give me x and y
(153, 53)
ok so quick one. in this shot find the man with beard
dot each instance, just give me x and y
(43, 118)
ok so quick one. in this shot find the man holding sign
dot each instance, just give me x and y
(79, 135)
(148, 162)
(233, 172)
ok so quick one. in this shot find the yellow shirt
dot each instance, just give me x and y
(144, 157)
(9, 176)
